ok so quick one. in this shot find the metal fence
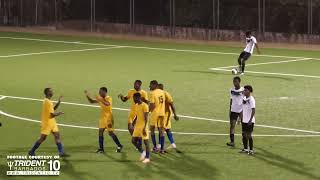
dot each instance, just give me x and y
(285, 16)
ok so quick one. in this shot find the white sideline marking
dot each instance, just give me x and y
(2, 97)
(184, 116)
(54, 52)
(266, 63)
(180, 133)
(269, 73)
(149, 48)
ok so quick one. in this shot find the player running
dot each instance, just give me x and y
(251, 43)
(157, 109)
(248, 119)
(169, 110)
(236, 99)
(131, 92)
(106, 119)
(48, 123)
(141, 128)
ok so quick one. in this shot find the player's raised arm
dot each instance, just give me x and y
(91, 100)
(58, 103)
(123, 98)
(55, 114)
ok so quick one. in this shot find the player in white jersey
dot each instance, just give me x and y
(248, 119)
(236, 100)
(251, 43)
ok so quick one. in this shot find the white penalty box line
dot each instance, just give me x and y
(180, 133)
(145, 47)
(183, 116)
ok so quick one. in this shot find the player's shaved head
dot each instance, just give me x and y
(138, 81)
(137, 85)
(104, 89)
(48, 92)
(153, 84)
(249, 88)
(137, 98)
(160, 86)
(248, 33)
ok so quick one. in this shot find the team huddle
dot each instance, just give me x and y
(158, 103)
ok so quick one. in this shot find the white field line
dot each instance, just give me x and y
(180, 133)
(2, 97)
(54, 52)
(269, 73)
(183, 116)
(148, 48)
(266, 63)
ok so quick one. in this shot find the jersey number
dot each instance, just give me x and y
(161, 99)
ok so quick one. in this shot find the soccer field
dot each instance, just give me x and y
(285, 83)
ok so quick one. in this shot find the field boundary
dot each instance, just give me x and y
(183, 116)
(148, 48)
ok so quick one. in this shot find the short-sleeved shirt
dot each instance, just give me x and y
(157, 97)
(169, 100)
(248, 104)
(140, 110)
(47, 109)
(131, 92)
(250, 44)
(106, 111)
(236, 95)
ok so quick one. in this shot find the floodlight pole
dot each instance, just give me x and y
(36, 19)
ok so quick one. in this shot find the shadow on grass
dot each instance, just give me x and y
(284, 163)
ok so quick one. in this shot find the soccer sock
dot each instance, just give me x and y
(232, 138)
(153, 138)
(139, 145)
(251, 143)
(243, 66)
(162, 142)
(101, 140)
(35, 147)
(116, 140)
(170, 136)
(59, 145)
(245, 142)
(147, 155)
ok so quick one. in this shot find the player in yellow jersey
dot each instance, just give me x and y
(131, 92)
(106, 118)
(157, 109)
(141, 129)
(169, 110)
(48, 122)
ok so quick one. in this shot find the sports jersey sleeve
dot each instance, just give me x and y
(144, 95)
(109, 99)
(129, 94)
(152, 98)
(230, 91)
(169, 98)
(48, 107)
(253, 103)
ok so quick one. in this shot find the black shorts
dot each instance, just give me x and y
(243, 57)
(247, 128)
(234, 116)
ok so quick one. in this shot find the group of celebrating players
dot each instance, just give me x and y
(158, 103)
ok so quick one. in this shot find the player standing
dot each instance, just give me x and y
(169, 110)
(106, 119)
(251, 43)
(248, 119)
(131, 92)
(48, 123)
(157, 109)
(236, 100)
(141, 128)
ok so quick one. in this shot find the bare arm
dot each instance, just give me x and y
(258, 49)
(252, 114)
(174, 111)
(55, 114)
(91, 100)
(58, 103)
(123, 98)
(151, 107)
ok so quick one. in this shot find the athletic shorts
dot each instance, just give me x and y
(243, 57)
(49, 128)
(234, 116)
(106, 123)
(247, 128)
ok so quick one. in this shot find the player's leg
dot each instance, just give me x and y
(131, 120)
(233, 121)
(244, 137)
(114, 137)
(59, 144)
(240, 60)
(161, 132)
(250, 139)
(147, 155)
(101, 140)
(137, 142)
(153, 138)
(37, 144)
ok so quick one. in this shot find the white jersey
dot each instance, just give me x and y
(236, 95)
(248, 104)
(250, 44)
